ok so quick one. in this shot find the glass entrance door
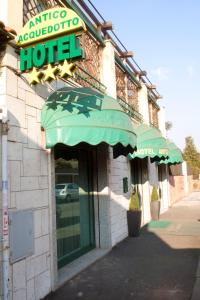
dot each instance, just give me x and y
(74, 203)
(135, 171)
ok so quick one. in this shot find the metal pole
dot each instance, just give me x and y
(5, 211)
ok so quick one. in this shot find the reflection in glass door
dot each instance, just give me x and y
(74, 203)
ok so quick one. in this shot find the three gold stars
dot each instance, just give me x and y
(52, 73)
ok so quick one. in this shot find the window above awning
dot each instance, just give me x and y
(175, 155)
(74, 115)
(150, 143)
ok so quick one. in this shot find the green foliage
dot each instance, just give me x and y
(154, 194)
(134, 201)
(192, 156)
(168, 125)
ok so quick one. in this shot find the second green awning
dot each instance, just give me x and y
(175, 155)
(74, 115)
(150, 143)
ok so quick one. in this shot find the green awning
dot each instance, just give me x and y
(150, 143)
(74, 115)
(175, 155)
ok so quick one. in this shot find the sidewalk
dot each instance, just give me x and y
(161, 264)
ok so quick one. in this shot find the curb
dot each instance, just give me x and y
(196, 289)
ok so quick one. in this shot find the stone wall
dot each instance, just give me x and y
(28, 181)
(177, 190)
(117, 168)
(119, 202)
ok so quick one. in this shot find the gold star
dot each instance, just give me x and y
(35, 76)
(66, 69)
(50, 73)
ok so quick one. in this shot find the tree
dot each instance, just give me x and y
(192, 156)
(168, 125)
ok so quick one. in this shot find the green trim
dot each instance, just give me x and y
(72, 256)
(127, 70)
(80, 240)
(90, 27)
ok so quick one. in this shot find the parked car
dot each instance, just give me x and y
(67, 192)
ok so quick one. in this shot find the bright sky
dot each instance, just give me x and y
(165, 38)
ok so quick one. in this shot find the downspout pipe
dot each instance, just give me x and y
(5, 225)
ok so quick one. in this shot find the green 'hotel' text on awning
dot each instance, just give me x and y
(67, 47)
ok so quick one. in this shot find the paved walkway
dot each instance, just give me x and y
(159, 265)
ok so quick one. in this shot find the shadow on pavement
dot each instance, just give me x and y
(139, 268)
